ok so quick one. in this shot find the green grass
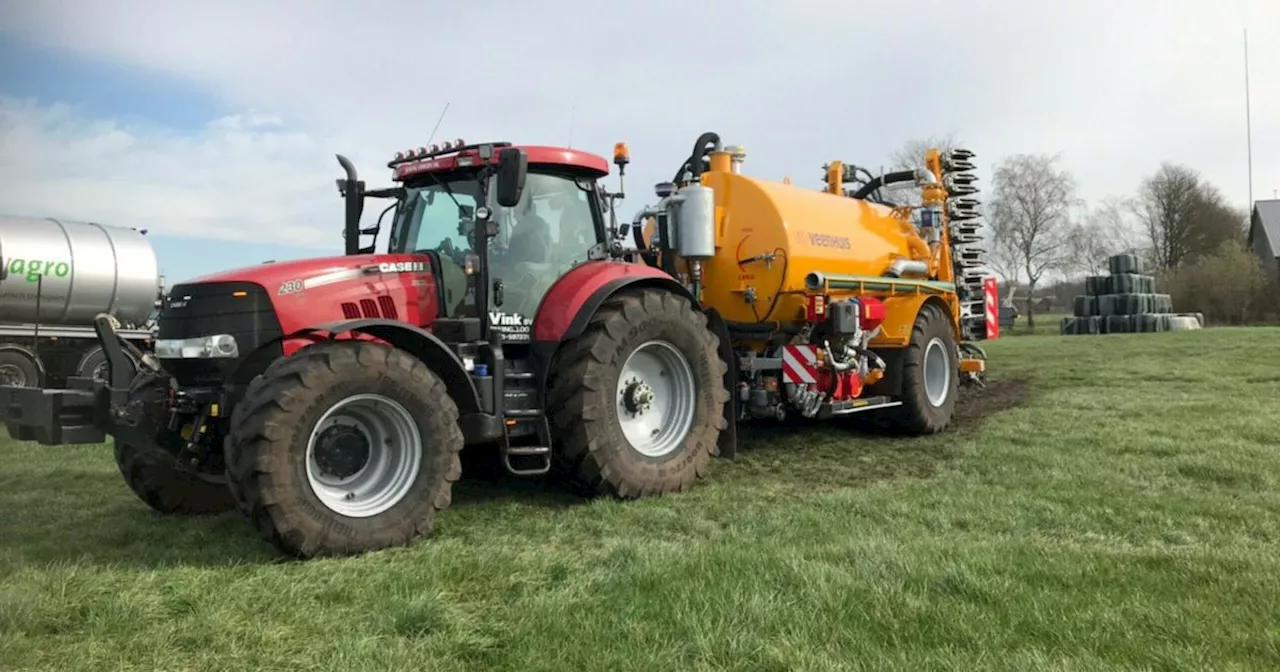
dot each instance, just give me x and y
(1126, 516)
(1047, 324)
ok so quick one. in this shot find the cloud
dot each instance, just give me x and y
(246, 177)
(1115, 87)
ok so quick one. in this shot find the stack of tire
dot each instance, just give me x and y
(1125, 302)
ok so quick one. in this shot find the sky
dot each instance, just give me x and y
(214, 125)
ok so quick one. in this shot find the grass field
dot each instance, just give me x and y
(1108, 503)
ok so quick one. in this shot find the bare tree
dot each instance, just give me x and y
(1106, 230)
(1003, 257)
(1030, 216)
(1184, 217)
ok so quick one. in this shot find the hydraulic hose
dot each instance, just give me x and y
(883, 180)
(695, 157)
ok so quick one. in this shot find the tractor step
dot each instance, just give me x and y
(541, 463)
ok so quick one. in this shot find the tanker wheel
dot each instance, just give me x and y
(930, 376)
(17, 369)
(343, 448)
(154, 475)
(636, 403)
(94, 364)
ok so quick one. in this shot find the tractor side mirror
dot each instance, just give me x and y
(513, 166)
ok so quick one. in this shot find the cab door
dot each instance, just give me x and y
(551, 229)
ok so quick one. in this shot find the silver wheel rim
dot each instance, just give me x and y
(937, 372)
(655, 399)
(393, 459)
(11, 375)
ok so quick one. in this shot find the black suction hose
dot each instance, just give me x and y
(695, 157)
(888, 178)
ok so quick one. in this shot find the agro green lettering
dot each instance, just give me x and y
(31, 269)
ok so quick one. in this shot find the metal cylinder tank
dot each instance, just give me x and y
(81, 269)
(770, 236)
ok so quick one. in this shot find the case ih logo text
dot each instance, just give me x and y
(31, 269)
(402, 266)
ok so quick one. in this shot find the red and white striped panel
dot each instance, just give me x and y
(991, 292)
(799, 364)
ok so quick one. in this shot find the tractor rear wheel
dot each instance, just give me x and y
(342, 448)
(930, 376)
(637, 402)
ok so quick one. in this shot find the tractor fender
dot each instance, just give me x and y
(421, 344)
(569, 305)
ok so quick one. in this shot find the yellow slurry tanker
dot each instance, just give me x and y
(835, 301)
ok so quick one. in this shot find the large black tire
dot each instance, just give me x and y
(154, 475)
(17, 368)
(94, 362)
(592, 450)
(267, 450)
(918, 415)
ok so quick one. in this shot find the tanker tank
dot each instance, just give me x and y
(83, 269)
(773, 235)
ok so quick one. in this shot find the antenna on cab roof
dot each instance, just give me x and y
(433, 131)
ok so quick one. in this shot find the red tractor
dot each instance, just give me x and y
(330, 398)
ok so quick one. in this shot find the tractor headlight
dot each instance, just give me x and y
(202, 347)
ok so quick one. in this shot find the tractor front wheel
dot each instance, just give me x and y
(344, 447)
(637, 402)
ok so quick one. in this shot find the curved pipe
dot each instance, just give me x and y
(917, 175)
(348, 167)
(902, 267)
(696, 156)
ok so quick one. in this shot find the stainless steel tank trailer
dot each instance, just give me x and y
(56, 276)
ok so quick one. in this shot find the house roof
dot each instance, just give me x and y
(1267, 213)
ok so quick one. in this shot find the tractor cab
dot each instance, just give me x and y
(498, 224)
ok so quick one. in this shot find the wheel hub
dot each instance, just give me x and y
(638, 397)
(656, 399)
(364, 455)
(937, 372)
(342, 451)
(11, 375)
